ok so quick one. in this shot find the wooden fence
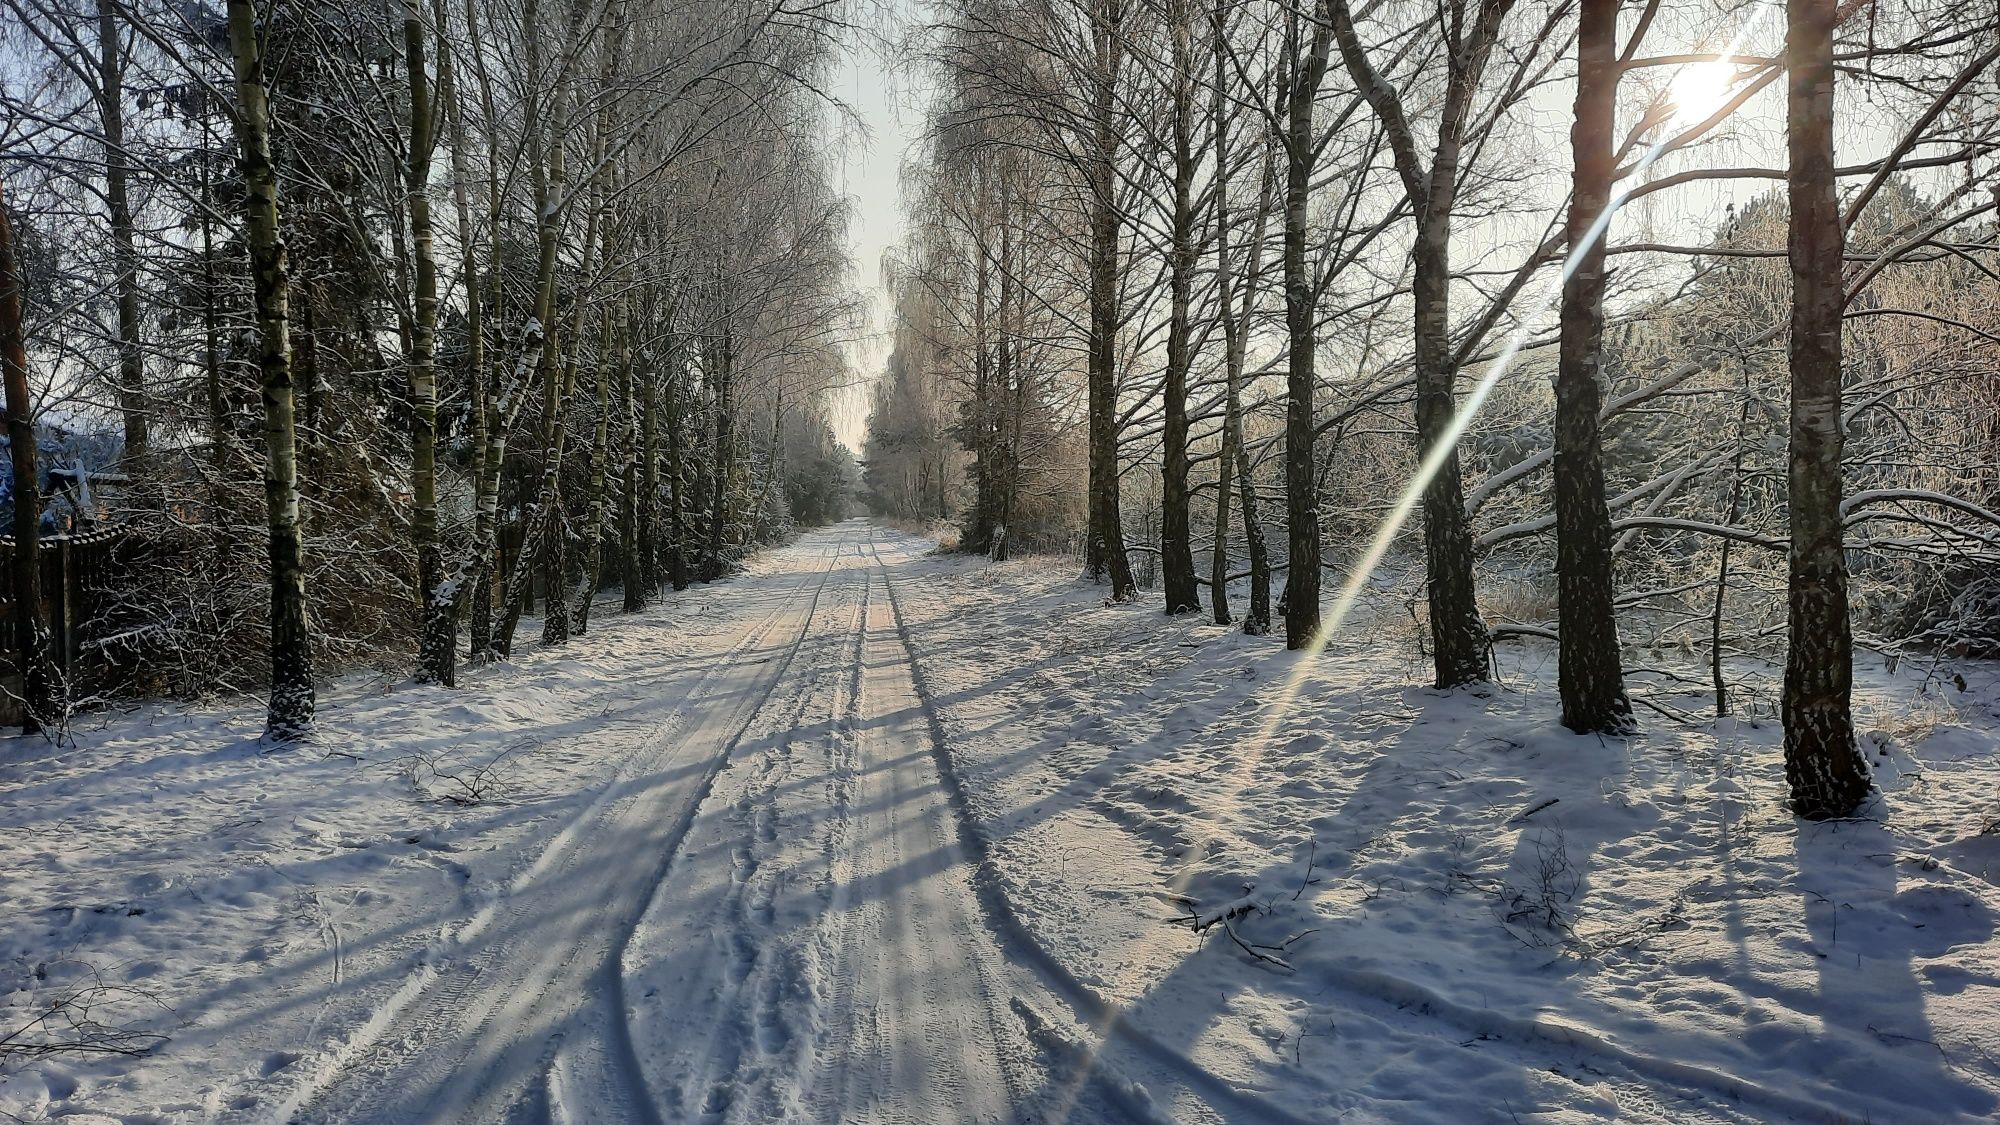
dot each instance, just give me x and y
(78, 571)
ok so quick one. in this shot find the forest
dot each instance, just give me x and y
(1346, 560)
(1312, 296)
(502, 306)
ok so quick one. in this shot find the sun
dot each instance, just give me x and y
(1700, 89)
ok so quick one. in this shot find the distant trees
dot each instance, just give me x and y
(1060, 75)
(976, 415)
(914, 469)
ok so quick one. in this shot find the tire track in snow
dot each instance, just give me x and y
(844, 768)
(975, 1055)
(1103, 1020)
(760, 973)
(466, 1036)
(873, 954)
(913, 1031)
(740, 951)
(627, 1071)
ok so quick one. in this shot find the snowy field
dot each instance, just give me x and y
(873, 835)
(1453, 909)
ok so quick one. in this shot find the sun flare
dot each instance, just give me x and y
(1700, 89)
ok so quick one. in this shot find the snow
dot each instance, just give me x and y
(876, 834)
(1656, 938)
(279, 903)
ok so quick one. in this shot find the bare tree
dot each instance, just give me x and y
(1468, 33)
(1822, 762)
(32, 636)
(290, 712)
(1590, 676)
(438, 644)
(1308, 48)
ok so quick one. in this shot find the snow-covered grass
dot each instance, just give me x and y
(1448, 908)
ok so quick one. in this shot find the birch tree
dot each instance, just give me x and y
(31, 636)
(289, 716)
(1824, 766)
(1468, 32)
(1590, 672)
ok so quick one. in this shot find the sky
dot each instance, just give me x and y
(886, 104)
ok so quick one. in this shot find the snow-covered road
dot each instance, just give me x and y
(765, 915)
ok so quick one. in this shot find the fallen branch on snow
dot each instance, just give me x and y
(1255, 950)
(65, 1025)
(1201, 921)
(1227, 912)
(1534, 808)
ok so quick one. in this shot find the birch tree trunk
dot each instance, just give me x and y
(674, 390)
(474, 578)
(1236, 324)
(1589, 673)
(1308, 67)
(559, 621)
(1107, 531)
(1735, 512)
(1459, 644)
(1257, 620)
(657, 384)
(125, 253)
(600, 456)
(437, 647)
(1827, 774)
(497, 642)
(725, 423)
(1225, 301)
(1176, 552)
(31, 636)
(980, 412)
(1012, 384)
(1218, 554)
(545, 155)
(628, 476)
(211, 334)
(289, 715)
(498, 422)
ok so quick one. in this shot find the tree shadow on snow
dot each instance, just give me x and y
(1867, 937)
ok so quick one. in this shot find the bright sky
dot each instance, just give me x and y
(889, 103)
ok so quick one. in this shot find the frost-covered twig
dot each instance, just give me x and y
(1228, 911)
(466, 785)
(65, 1025)
(1266, 958)
(1531, 810)
(1312, 857)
